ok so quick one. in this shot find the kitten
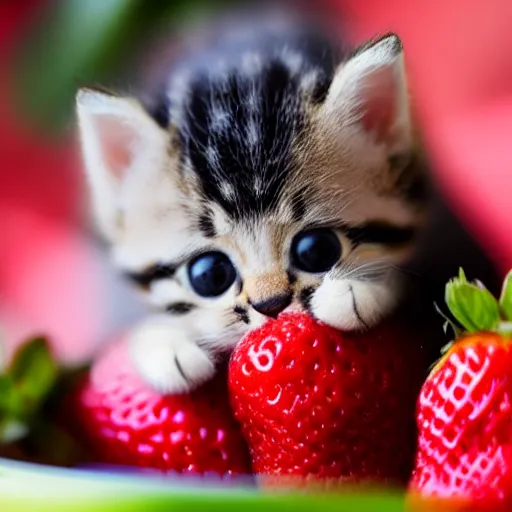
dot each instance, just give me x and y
(272, 172)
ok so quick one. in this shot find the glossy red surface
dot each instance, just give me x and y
(315, 402)
(464, 421)
(125, 422)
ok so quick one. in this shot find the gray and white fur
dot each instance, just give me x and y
(271, 172)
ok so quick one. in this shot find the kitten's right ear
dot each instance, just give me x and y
(117, 136)
(369, 92)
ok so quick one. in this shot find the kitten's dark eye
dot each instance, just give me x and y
(211, 274)
(316, 250)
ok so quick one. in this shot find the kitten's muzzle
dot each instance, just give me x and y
(274, 305)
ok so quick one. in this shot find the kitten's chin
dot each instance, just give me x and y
(354, 305)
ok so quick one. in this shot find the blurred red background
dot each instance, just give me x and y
(53, 278)
(51, 275)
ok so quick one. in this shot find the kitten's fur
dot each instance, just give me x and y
(248, 144)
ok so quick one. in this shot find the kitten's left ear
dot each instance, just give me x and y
(369, 91)
(118, 139)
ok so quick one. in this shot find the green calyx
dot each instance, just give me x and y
(24, 385)
(32, 385)
(476, 309)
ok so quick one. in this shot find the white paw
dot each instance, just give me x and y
(354, 305)
(167, 359)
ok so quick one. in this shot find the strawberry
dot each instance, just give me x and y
(124, 422)
(464, 410)
(318, 405)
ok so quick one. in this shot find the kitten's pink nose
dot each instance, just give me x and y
(274, 305)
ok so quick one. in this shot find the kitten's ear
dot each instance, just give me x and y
(370, 91)
(117, 136)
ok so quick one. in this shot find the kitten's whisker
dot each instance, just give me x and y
(359, 272)
(408, 272)
(354, 266)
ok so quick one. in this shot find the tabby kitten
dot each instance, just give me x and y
(272, 172)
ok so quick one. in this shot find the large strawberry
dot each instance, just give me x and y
(464, 410)
(319, 405)
(124, 422)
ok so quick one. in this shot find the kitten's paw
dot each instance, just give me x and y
(167, 359)
(354, 305)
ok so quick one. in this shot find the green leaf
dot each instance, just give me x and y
(506, 298)
(11, 409)
(24, 387)
(472, 305)
(87, 42)
(33, 372)
(71, 41)
(7, 392)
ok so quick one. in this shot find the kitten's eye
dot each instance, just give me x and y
(211, 274)
(316, 250)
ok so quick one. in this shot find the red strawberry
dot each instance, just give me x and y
(125, 422)
(464, 410)
(316, 403)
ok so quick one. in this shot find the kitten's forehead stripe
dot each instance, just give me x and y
(244, 169)
(240, 122)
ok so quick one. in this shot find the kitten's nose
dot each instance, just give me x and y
(274, 305)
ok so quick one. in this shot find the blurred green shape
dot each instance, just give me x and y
(24, 386)
(75, 43)
(61, 496)
(28, 487)
(34, 372)
(269, 503)
(83, 42)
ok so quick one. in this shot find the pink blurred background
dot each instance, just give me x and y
(53, 278)
(53, 275)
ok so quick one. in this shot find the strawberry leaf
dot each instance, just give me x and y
(472, 305)
(506, 298)
(10, 399)
(24, 388)
(11, 409)
(33, 371)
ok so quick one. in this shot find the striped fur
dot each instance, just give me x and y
(251, 142)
